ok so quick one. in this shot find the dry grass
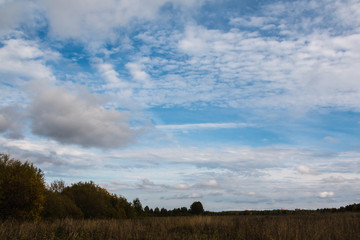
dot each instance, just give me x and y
(302, 227)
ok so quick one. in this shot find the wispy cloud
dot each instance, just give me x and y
(197, 126)
(331, 139)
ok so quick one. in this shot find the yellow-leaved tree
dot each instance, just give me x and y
(22, 189)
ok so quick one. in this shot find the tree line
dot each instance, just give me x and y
(25, 196)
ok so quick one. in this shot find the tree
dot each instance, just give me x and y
(94, 201)
(184, 210)
(22, 189)
(138, 207)
(196, 208)
(157, 211)
(147, 211)
(58, 205)
(57, 186)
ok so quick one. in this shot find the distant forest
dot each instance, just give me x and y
(25, 196)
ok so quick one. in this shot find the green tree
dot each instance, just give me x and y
(196, 208)
(22, 189)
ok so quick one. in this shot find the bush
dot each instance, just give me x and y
(22, 189)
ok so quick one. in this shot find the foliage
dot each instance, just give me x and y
(23, 196)
(196, 208)
(97, 202)
(58, 205)
(57, 186)
(22, 189)
(138, 207)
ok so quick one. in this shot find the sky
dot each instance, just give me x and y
(239, 104)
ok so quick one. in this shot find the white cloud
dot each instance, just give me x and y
(180, 186)
(111, 76)
(22, 58)
(261, 22)
(138, 74)
(326, 194)
(185, 196)
(305, 170)
(301, 69)
(211, 183)
(98, 20)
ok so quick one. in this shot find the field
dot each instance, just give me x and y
(302, 227)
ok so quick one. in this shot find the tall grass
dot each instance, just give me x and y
(302, 227)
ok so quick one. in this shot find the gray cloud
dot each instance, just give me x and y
(61, 115)
(13, 12)
(187, 196)
(11, 122)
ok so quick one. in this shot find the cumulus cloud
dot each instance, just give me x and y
(305, 170)
(326, 194)
(61, 115)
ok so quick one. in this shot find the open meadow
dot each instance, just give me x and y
(315, 226)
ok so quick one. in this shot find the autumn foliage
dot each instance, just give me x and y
(22, 189)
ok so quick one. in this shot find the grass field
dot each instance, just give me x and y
(302, 227)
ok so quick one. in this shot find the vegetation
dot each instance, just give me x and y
(22, 189)
(197, 208)
(85, 210)
(340, 226)
(24, 196)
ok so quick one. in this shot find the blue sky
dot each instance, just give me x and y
(237, 104)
